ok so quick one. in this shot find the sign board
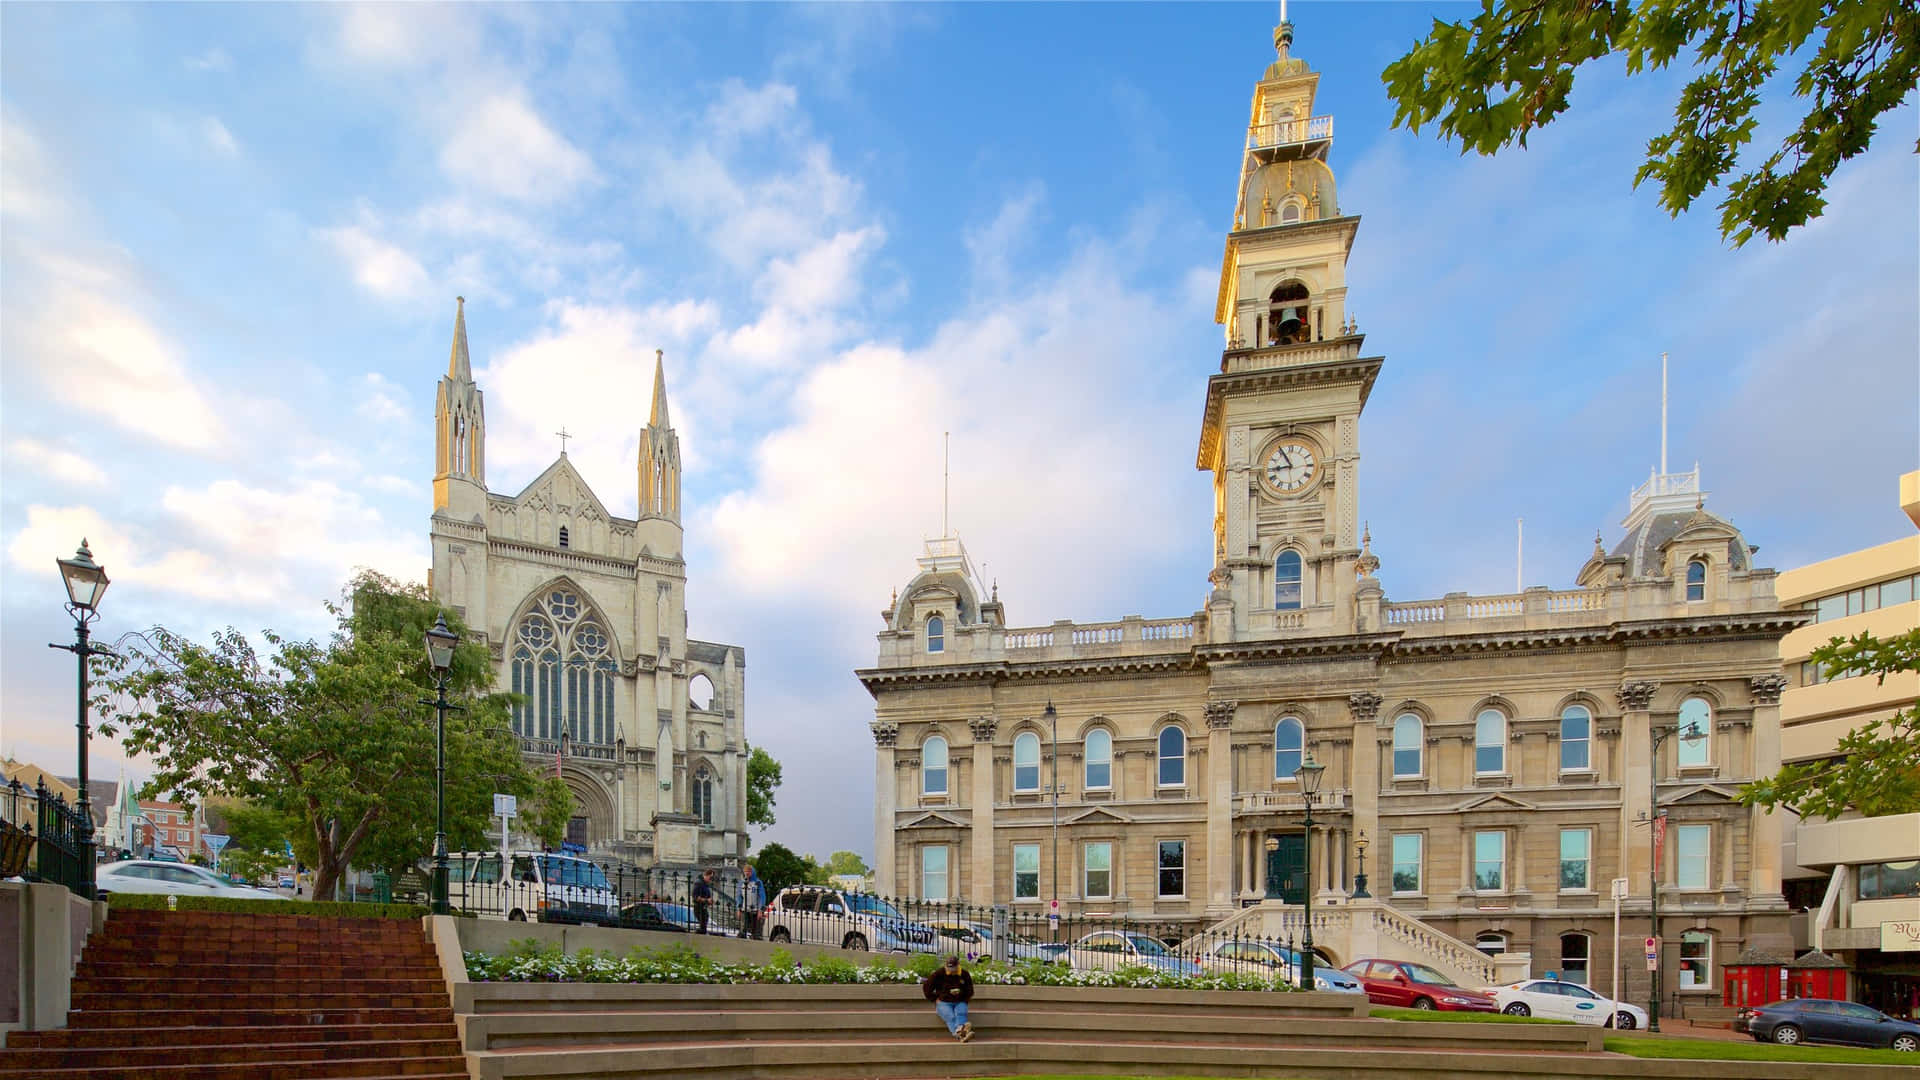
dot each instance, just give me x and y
(215, 842)
(1653, 943)
(1053, 906)
(505, 806)
(1620, 888)
(1659, 842)
(1653, 964)
(1901, 936)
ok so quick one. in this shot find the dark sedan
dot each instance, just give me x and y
(1820, 1020)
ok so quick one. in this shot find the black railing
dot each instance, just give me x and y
(62, 856)
(16, 837)
(575, 890)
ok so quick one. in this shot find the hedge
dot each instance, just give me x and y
(329, 908)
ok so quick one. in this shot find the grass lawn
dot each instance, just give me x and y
(1657, 1046)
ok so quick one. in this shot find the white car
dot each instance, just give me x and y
(170, 879)
(1559, 1000)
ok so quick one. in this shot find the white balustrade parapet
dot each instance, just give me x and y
(1285, 802)
(1132, 634)
(1289, 132)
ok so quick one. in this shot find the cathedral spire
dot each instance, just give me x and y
(459, 367)
(659, 418)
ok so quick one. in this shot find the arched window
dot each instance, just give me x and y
(1287, 315)
(1696, 959)
(1290, 213)
(1286, 581)
(1576, 739)
(564, 667)
(1493, 943)
(1695, 733)
(1173, 757)
(700, 692)
(703, 796)
(1026, 762)
(1409, 746)
(936, 634)
(1099, 760)
(1289, 739)
(933, 766)
(1490, 743)
(1697, 579)
(563, 536)
(1575, 950)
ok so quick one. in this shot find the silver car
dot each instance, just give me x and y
(1261, 958)
(170, 879)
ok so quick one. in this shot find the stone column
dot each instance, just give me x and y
(1363, 707)
(1637, 783)
(1219, 808)
(1764, 836)
(981, 886)
(885, 792)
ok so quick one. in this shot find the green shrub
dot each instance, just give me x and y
(238, 905)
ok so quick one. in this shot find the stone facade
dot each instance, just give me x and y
(585, 614)
(1500, 755)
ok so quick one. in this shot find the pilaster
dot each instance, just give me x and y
(980, 890)
(1219, 807)
(1364, 764)
(885, 792)
(1765, 825)
(1637, 782)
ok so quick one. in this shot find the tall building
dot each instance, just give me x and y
(1856, 880)
(1503, 756)
(585, 615)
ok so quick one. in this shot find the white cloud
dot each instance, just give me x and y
(379, 267)
(504, 147)
(381, 402)
(63, 465)
(214, 59)
(219, 138)
(25, 175)
(742, 110)
(135, 558)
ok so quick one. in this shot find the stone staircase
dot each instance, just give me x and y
(1356, 929)
(220, 996)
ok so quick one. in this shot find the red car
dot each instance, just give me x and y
(1415, 986)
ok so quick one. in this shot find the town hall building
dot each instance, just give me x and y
(585, 615)
(1498, 760)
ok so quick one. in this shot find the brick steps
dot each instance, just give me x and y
(215, 996)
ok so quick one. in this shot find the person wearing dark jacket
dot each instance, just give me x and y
(950, 988)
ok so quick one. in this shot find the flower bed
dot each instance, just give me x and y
(528, 961)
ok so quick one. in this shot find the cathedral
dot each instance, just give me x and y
(585, 615)
(1506, 763)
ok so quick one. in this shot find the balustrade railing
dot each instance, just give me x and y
(1425, 611)
(1113, 633)
(1030, 639)
(550, 747)
(1287, 132)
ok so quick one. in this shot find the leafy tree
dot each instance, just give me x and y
(250, 864)
(1877, 767)
(333, 737)
(779, 867)
(847, 862)
(763, 779)
(548, 811)
(1510, 70)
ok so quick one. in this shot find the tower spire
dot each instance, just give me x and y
(658, 419)
(459, 367)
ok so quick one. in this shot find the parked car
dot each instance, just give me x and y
(1262, 958)
(170, 878)
(1111, 950)
(1822, 1020)
(813, 915)
(1560, 1000)
(975, 941)
(1415, 986)
(537, 885)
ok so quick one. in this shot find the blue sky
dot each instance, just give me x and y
(233, 234)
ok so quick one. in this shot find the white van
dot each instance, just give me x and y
(538, 886)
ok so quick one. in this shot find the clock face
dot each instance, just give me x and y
(1291, 466)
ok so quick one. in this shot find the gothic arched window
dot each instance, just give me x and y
(703, 796)
(563, 536)
(564, 666)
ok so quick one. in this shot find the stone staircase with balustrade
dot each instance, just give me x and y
(1356, 929)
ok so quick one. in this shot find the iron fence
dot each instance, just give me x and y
(16, 837)
(62, 856)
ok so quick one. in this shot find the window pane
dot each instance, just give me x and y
(1099, 759)
(1574, 951)
(1489, 861)
(1026, 762)
(1576, 724)
(1896, 592)
(1173, 757)
(1830, 607)
(1407, 745)
(1026, 871)
(1406, 862)
(1288, 739)
(1173, 868)
(1575, 845)
(933, 766)
(1286, 580)
(1696, 959)
(1099, 870)
(936, 634)
(1695, 733)
(1490, 742)
(933, 873)
(1691, 855)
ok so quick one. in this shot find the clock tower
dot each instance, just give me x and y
(1281, 429)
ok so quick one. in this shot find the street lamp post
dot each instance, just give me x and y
(1308, 776)
(1692, 734)
(440, 645)
(86, 583)
(1360, 879)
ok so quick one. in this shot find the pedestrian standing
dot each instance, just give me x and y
(703, 898)
(753, 900)
(950, 988)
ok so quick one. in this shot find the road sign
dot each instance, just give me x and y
(1620, 888)
(1053, 906)
(1652, 944)
(215, 842)
(1653, 964)
(505, 806)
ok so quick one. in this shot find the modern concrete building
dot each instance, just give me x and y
(586, 617)
(1856, 879)
(1503, 756)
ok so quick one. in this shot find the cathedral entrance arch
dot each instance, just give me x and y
(592, 820)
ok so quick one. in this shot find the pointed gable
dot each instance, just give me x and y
(1494, 802)
(561, 486)
(1099, 815)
